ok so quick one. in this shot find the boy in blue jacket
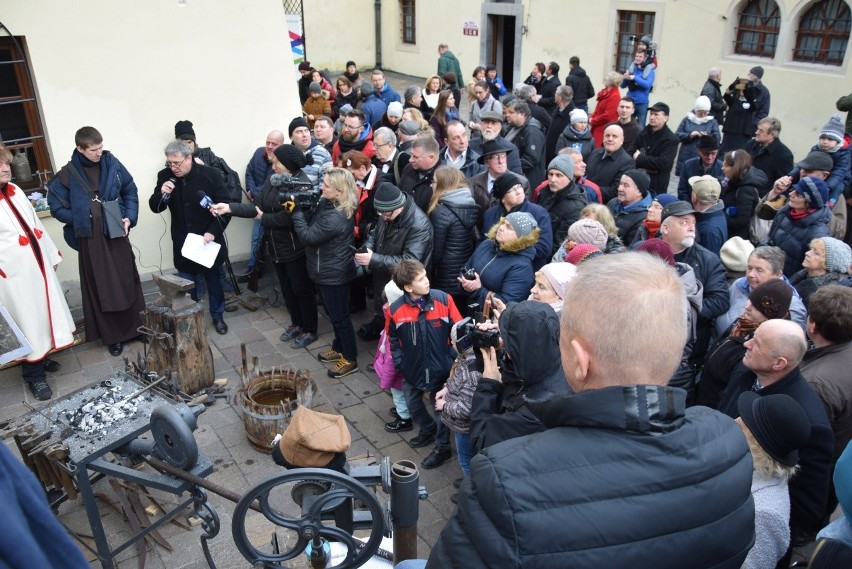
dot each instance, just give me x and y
(419, 336)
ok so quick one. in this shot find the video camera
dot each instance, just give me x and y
(469, 336)
(305, 196)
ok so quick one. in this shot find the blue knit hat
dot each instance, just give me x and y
(814, 190)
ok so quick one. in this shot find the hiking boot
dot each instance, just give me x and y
(305, 339)
(329, 356)
(40, 389)
(399, 426)
(422, 440)
(342, 368)
(371, 330)
(291, 333)
(436, 458)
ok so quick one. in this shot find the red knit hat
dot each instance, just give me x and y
(581, 252)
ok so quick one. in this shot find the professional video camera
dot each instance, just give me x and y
(305, 196)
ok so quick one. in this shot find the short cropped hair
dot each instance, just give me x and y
(406, 271)
(358, 114)
(775, 256)
(88, 136)
(519, 106)
(326, 119)
(554, 67)
(178, 147)
(830, 309)
(773, 124)
(427, 144)
(384, 135)
(624, 307)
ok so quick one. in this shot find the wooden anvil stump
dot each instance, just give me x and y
(180, 339)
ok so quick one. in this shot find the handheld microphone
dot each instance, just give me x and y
(166, 197)
(205, 201)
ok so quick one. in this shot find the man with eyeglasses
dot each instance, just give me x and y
(495, 159)
(706, 163)
(458, 153)
(416, 179)
(492, 129)
(388, 158)
(182, 187)
(355, 134)
(768, 153)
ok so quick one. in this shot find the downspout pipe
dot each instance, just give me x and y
(378, 6)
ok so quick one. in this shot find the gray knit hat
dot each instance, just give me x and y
(838, 255)
(522, 222)
(315, 87)
(588, 231)
(834, 128)
(564, 164)
(388, 198)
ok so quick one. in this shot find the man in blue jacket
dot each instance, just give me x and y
(383, 90)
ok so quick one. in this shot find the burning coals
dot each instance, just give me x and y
(99, 413)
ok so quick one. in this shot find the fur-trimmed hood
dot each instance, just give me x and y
(516, 245)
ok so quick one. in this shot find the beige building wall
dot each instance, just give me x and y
(692, 37)
(133, 69)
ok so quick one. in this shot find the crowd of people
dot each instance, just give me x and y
(727, 298)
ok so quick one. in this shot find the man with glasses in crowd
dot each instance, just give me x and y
(355, 135)
(705, 164)
(182, 187)
(389, 159)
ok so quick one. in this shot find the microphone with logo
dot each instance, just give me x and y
(206, 202)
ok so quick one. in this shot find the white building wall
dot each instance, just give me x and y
(132, 69)
(693, 36)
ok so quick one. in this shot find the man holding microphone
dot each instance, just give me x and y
(185, 188)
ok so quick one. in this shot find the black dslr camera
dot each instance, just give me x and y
(305, 196)
(468, 274)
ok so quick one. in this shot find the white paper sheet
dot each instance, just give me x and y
(195, 249)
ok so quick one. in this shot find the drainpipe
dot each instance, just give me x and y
(378, 6)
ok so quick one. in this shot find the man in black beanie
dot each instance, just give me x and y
(206, 156)
(403, 231)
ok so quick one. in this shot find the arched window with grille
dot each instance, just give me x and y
(757, 32)
(823, 33)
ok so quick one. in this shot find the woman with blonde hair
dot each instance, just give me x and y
(328, 238)
(431, 91)
(453, 214)
(775, 426)
(601, 214)
(606, 110)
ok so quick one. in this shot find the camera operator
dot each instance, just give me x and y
(328, 237)
(281, 243)
(527, 368)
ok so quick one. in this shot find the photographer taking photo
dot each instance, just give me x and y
(527, 368)
(281, 243)
(328, 237)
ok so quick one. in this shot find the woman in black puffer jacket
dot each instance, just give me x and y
(740, 191)
(281, 243)
(453, 214)
(328, 237)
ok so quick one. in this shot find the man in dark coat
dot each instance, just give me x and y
(561, 120)
(403, 231)
(526, 134)
(181, 186)
(546, 97)
(606, 165)
(770, 366)
(768, 153)
(705, 164)
(655, 149)
(713, 90)
(631, 450)
(206, 156)
(678, 230)
(562, 198)
(527, 94)
(580, 83)
(416, 178)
